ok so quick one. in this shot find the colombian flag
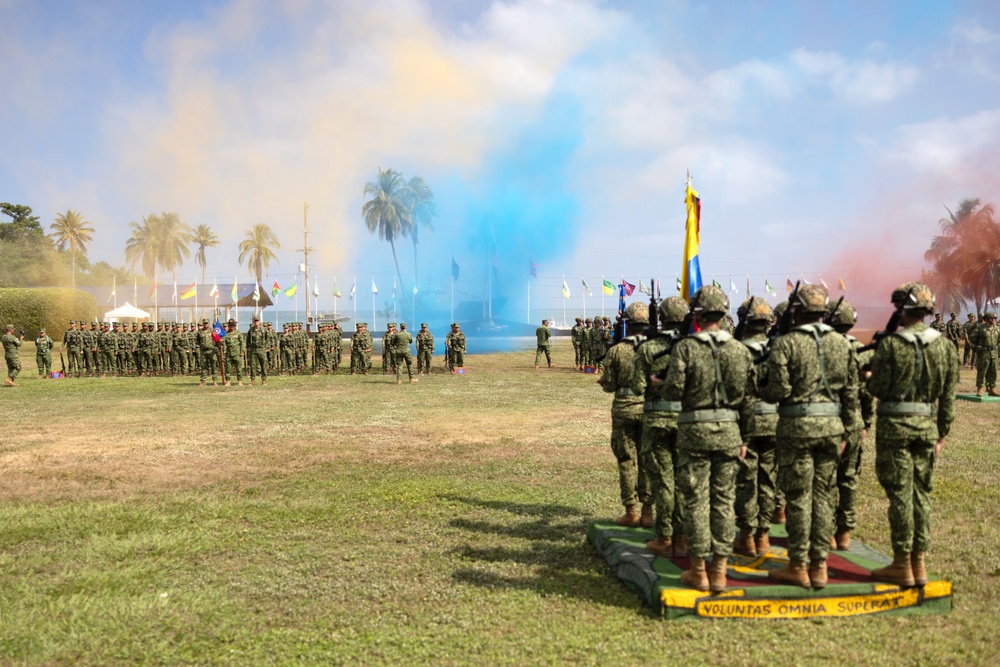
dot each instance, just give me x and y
(691, 276)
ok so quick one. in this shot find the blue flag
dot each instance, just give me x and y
(218, 333)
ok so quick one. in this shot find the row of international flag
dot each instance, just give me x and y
(627, 288)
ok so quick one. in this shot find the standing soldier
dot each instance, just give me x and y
(425, 349)
(257, 352)
(953, 329)
(626, 422)
(658, 450)
(72, 342)
(986, 337)
(233, 346)
(813, 375)
(401, 341)
(914, 373)
(938, 325)
(89, 348)
(43, 354)
(846, 490)
(179, 350)
(367, 345)
(207, 350)
(543, 334)
(388, 365)
(597, 343)
(576, 335)
(285, 346)
(585, 355)
(11, 354)
(337, 342)
(319, 350)
(356, 362)
(455, 340)
(968, 354)
(106, 350)
(710, 374)
(757, 480)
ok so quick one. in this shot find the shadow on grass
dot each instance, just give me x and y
(558, 559)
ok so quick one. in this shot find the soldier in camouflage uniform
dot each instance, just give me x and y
(207, 353)
(73, 344)
(388, 363)
(361, 349)
(425, 349)
(542, 337)
(43, 354)
(914, 374)
(107, 345)
(11, 355)
(757, 479)
(401, 341)
(968, 353)
(710, 374)
(812, 374)
(986, 338)
(778, 516)
(597, 344)
(585, 354)
(576, 335)
(455, 342)
(257, 352)
(90, 349)
(337, 340)
(626, 421)
(845, 493)
(953, 329)
(658, 450)
(938, 325)
(233, 347)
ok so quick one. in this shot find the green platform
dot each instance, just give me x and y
(750, 594)
(978, 399)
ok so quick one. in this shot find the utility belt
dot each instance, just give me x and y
(661, 406)
(762, 408)
(906, 409)
(709, 415)
(986, 348)
(809, 410)
(625, 392)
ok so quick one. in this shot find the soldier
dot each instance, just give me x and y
(11, 354)
(968, 353)
(257, 352)
(232, 344)
(585, 354)
(356, 363)
(367, 345)
(812, 374)
(597, 343)
(710, 374)
(400, 343)
(178, 350)
(286, 346)
(953, 329)
(425, 349)
(388, 364)
(542, 334)
(43, 354)
(89, 348)
(106, 343)
(144, 348)
(914, 374)
(455, 340)
(778, 516)
(207, 354)
(939, 325)
(336, 341)
(74, 349)
(626, 422)
(986, 338)
(757, 480)
(319, 349)
(658, 449)
(846, 490)
(576, 335)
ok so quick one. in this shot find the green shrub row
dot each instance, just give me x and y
(31, 309)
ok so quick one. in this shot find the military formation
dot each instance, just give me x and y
(592, 338)
(716, 425)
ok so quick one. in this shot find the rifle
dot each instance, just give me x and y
(890, 328)
(782, 326)
(741, 327)
(682, 332)
(829, 319)
(651, 327)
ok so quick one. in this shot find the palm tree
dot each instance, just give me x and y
(173, 237)
(964, 257)
(423, 208)
(71, 229)
(387, 211)
(143, 246)
(204, 237)
(257, 249)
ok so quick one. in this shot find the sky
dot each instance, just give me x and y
(825, 139)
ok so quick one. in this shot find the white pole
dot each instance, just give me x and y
(602, 295)
(453, 298)
(564, 302)
(583, 293)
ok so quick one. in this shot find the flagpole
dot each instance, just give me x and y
(374, 318)
(602, 295)
(583, 293)
(355, 300)
(564, 303)
(453, 297)
(114, 290)
(297, 296)
(335, 298)
(731, 283)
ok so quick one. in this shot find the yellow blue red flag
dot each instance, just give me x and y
(691, 276)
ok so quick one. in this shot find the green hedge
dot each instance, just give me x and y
(31, 309)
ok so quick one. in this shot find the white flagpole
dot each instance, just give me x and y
(335, 301)
(602, 295)
(355, 300)
(564, 302)
(583, 293)
(114, 290)
(453, 298)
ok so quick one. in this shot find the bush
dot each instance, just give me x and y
(32, 309)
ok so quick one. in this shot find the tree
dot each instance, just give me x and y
(143, 247)
(387, 211)
(173, 237)
(423, 208)
(965, 257)
(70, 229)
(257, 249)
(24, 226)
(203, 237)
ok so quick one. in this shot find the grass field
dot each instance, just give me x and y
(350, 520)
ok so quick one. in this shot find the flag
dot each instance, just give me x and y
(609, 287)
(290, 292)
(643, 289)
(806, 281)
(454, 268)
(627, 288)
(152, 290)
(678, 284)
(659, 294)
(234, 294)
(748, 284)
(316, 286)
(823, 283)
(374, 288)
(256, 291)
(586, 286)
(565, 289)
(716, 283)
(841, 285)
(354, 288)
(190, 291)
(691, 276)
(275, 288)
(732, 287)
(336, 292)
(173, 297)
(532, 268)
(218, 333)
(789, 287)
(768, 288)
(214, 294)
(114, 288)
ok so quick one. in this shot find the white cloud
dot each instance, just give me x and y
(945, 146)
(860, 82)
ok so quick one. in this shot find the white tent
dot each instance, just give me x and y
(127, 310)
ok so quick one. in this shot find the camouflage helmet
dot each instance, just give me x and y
(914, 297)
(579, 319)
(710, 299)
(811, 299)
(845, 316)
(780, 309)
(589, 320)
(754, 309)
(637, 312)
(989, 315)
(673, 309)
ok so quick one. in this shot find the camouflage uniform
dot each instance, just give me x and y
(938, 325)
(388, 362)
(11, 354)
(43, 354)
(968, 353)
(597, 344)
(207, 352)
(233, 346)
(425, 349)
(257, 352)
(953, 329)
(914, 374)
(542, 336)
(812, 374)
(455, 341)
(401, 341)
(73, 342)
(576, 336)
(626, 423)
(585, 354)
(986, 338)
(361, 349)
